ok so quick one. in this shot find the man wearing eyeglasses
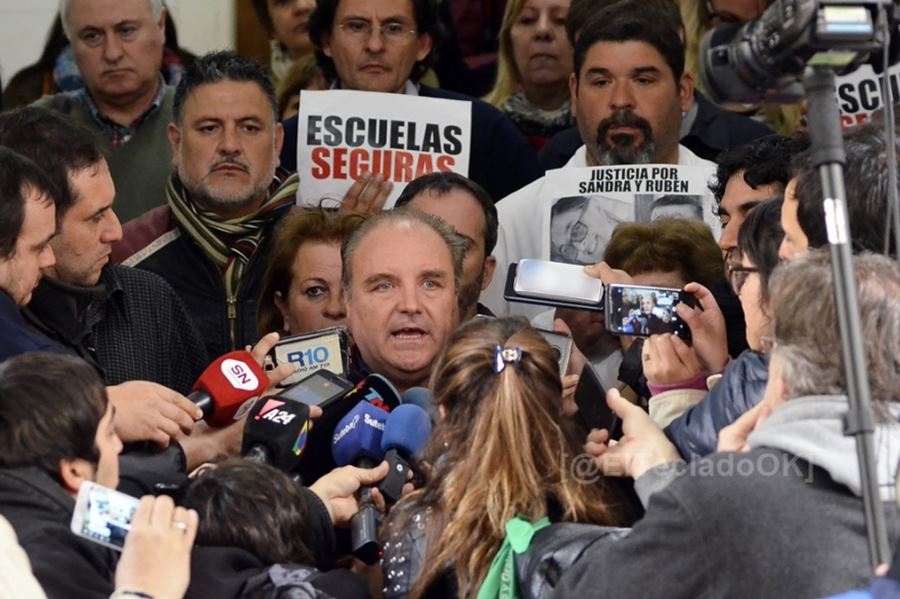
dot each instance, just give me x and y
(386, 46)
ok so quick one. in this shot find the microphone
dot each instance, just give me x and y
(420, 396)
(226, 385)
(317, 460)
(405, 434)
(357, 441)
(276, 432)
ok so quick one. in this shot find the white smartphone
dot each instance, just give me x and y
(103, 515)
(557, 281)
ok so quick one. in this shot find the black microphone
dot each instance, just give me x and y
(405, 434)
(276, 432)
(317, 460)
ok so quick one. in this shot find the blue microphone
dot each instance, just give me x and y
(357, 441)
(406, 432)
(422, 397)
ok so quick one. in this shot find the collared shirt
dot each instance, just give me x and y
(118, 134)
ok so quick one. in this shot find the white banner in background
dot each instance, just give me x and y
(342, 134)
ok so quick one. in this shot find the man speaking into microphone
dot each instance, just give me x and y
(401, 272)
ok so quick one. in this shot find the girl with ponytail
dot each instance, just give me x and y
(501, 450)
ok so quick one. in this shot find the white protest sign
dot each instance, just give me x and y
(584, 205)
(859, 93)
(342, 134)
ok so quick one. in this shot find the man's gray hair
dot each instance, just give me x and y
(807, 336)
(156, 7)
(456, 243)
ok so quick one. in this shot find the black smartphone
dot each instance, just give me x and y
(642, 311)
(318, 389)
(593, 411)
(553, 284)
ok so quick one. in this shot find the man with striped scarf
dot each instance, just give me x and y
(211, 239)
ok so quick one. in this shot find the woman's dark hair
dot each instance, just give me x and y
(254, 507)
(50, 408)
(759, 239)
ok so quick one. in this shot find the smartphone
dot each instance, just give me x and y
(593, 411)
(561, 346)
(320, 388)
(326, 349)
(103, 515)
(642, 311)
(553, 284)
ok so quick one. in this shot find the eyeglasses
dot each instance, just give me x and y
(737, 276)
(578, 233)
(392, 33)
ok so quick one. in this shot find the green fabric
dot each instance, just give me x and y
(141, 166)
(500, 582)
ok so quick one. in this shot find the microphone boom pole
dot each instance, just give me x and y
(828, 156)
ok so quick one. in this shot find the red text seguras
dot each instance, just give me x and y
(395, 165)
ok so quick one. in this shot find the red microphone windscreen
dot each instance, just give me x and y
(231, 380)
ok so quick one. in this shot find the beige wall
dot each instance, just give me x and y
(203, 25)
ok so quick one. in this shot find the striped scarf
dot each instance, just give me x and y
(230, 243)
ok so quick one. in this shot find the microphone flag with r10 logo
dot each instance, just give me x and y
(327, 349)
(226, 385)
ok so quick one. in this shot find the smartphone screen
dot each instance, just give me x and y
(317, 389)
(103, 515)
(643, 311)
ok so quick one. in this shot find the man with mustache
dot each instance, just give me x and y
(211, 240)
(628, 92)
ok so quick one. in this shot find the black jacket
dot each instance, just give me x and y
(696, 432)
(155, 243)
(713, 131)
(500, 159)
(232, 573)
(131, 326)
(40, 511)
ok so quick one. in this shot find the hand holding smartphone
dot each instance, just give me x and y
(103, 515)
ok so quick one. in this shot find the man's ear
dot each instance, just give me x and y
(573, 93)
(490, 264)
(686, 91)
(174, 134)
(326, 44)
(74, 472)
(424, 43)
(279, 141)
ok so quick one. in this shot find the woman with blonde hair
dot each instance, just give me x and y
(533, 68)
(499, 464)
